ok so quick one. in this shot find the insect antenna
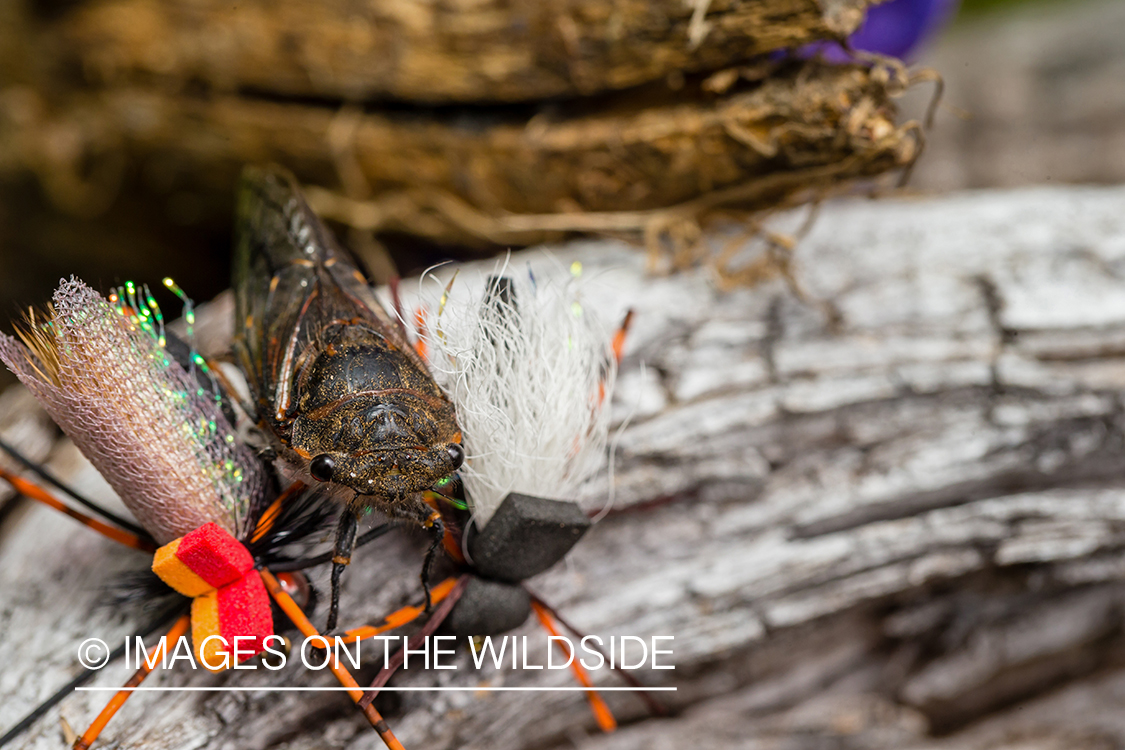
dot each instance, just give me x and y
(50, 479)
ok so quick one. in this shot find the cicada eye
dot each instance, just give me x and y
(456, 455)
(322, 467)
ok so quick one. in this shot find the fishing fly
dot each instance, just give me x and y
(156, 427)
(523, 373)
(509, 369)
(530, 369)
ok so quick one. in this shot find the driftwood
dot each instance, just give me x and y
(421, 51)
(877, 501)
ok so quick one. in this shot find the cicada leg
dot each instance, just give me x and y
(298, 618)
(436, 526)
(341, 558)
(37, 493)
(429, 519)
(118, 700)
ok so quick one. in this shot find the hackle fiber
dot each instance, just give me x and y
(159, 438)
(530, 369)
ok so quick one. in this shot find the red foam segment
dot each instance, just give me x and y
(244, 610)
(214, 555)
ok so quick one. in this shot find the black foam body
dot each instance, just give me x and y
(488, 608)
(526, 536)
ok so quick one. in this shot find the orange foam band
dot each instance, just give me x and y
(230, 611)
(204, 624)
(235, 617)
(201, 560)
(175, 573)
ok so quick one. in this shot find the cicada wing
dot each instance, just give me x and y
(291, 280)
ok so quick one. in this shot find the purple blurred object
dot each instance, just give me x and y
(896, 28)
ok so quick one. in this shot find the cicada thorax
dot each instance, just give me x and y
(370, 418)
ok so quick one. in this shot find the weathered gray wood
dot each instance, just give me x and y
(878, 513)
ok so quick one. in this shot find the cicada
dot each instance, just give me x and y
(348, 402)
(341, 395)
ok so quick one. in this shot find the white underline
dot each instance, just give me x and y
(286, 689)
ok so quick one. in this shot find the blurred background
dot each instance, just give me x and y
(122, 124)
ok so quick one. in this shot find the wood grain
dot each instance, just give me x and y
(878, 504)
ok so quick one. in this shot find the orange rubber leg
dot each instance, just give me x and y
(601, 711)
(619, 336)
(265, 523)
(405, 615)
(420, 345)
(618, 348)
(297, 616)
(118, 700)
(35, 492)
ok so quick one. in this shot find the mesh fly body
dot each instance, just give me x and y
(144, 422)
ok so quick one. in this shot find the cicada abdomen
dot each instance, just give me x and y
(345, 398)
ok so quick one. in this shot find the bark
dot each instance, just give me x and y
(433, 52)
(876, 499)
(491, 177)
